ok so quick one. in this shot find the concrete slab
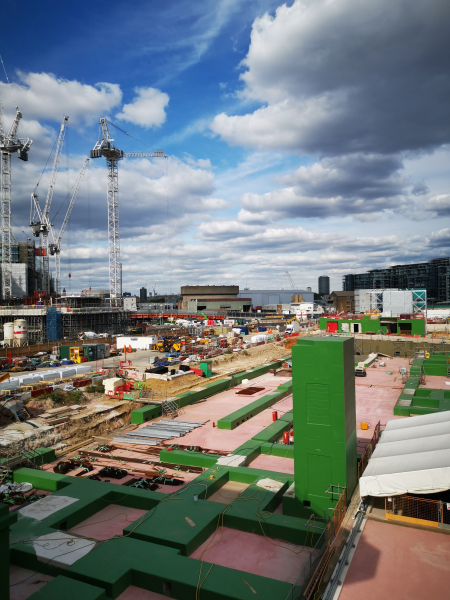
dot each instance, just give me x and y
(254, 554)
(108, 522)
(24, 582)
(273, 463)
(437, 383)
(397, 563)
(228, 492)
(61, 549)
(46, 506)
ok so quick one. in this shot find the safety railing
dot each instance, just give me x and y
(421, 511)
(369, 449)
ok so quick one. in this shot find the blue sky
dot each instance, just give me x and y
(309, 137)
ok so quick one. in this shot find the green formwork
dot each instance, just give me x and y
(189, 458)
(154, 553)
(274, 431)
(241, 415)
(282, 450)
(186, 398)
(67, 587)
(324, 421)
(145, 413)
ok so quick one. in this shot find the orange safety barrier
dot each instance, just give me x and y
(421, 511)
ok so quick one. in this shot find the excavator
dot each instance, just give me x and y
(169, 344)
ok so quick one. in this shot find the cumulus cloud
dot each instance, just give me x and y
(361, 185)
(147, 108)
(439, 204)
(45, 96)
(344, 77)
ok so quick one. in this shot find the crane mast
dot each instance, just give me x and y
(9, 144)
(104, 147)
(291, 281)
(55, 247)
(45, 225)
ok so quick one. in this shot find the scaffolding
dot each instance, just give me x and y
(111, 322)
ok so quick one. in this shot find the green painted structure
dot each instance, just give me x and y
(241, 415)
(374, 324)
(324, 422)
(6, 520)
(145, 413)
(154, 552)
(414, 400)
(206, 368)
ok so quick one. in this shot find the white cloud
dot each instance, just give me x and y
(45, 96)
(147, 108)
(347, 76)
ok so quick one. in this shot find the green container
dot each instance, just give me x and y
(64, 352)
(90, 351)
(206, 367)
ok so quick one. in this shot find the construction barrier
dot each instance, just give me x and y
(421, 511)
(364, 461)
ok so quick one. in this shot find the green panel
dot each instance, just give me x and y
(41, 480)
(324, 420)
(146, 413)
(65, 587)
(275, 430)
(319, 474)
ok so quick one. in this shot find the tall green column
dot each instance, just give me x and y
(323, 387)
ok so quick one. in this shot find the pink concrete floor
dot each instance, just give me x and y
(24, 582)
(254, 554)
(273, 463)
(135, 593)
(436, 382)
(223, 404)
(376, 396)
(108, 522)
(228, 492)
(398, 563)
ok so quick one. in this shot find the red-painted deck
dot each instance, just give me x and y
(398, 563)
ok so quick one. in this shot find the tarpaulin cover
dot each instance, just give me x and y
(411, 457)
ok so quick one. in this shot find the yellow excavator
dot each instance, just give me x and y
(168, 345)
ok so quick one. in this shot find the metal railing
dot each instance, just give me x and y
(421, 511)
(369, 450)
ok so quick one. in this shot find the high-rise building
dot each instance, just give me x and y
(434, 276)
(324, 285)
(143, 295)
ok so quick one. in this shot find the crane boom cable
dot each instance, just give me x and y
(126, 133)
(9, 84)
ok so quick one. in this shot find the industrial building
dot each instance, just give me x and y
(324, 285)
(391, 302)
(210, 292)
(343, 301)
(434, 276)
(260, 298)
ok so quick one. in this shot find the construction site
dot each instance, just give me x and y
(224, 444)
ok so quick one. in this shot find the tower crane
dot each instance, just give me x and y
(9, 144)
(291, 281)
(104, 147)
(40, 220)
(55, 247)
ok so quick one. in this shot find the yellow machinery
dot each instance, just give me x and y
(76, 353)
(4, 377)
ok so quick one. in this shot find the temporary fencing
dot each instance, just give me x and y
(369, 450)
(421, 511)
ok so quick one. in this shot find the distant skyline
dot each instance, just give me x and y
(309, 137)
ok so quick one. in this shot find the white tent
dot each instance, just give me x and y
(411, 457)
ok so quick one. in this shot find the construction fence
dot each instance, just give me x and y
(421, 511)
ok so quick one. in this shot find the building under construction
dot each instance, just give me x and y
(67, 320)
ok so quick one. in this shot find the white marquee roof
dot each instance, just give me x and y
(411, 457)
